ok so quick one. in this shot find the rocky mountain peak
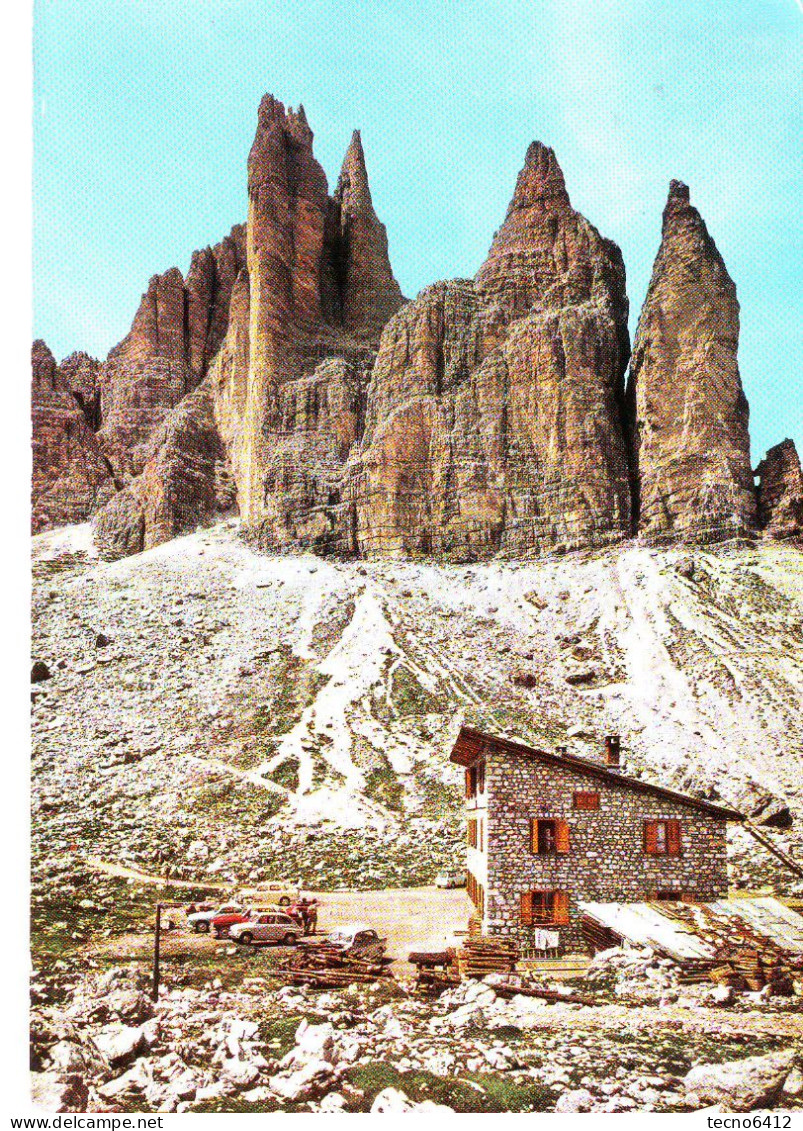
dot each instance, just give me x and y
(43, 364)
(540, 181)
(780, 492)
(689, 414)
(353, 192)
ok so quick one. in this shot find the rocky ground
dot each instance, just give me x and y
(213, 715)
(228, 1035)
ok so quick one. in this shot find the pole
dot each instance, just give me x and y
(156, 941)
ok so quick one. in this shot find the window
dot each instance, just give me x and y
(662, 838)
(549, 837)
(545, 908)
(585, 800)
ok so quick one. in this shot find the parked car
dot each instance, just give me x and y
(269, 926)
(450, 880)
(354, 936)
(200, 905)
(201, 921)
(222, 922)
(278, 892)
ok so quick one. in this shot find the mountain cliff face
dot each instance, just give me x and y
(70, 477)
(689, 413)
(780, 493)
(285, 377)
(493, 419)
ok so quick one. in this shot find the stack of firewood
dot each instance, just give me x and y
(482, 954)
(326, 966)
(436, 971)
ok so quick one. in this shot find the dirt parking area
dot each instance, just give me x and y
(409, 918)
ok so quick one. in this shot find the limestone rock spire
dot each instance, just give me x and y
(688, 412)
(366, 291)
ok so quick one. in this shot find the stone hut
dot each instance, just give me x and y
(547, 830)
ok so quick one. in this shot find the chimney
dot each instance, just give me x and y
(612, 751)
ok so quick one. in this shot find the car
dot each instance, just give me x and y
(200, 905)
(274, 892)
(223, 921)
(354, 936)
(450, 880)
(269, 926)
(201, 921)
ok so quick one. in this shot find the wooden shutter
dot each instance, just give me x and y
(673, 838)
(468, 784)
(527, 908)
(534, 834)
(561, 906)
(651, 837)
(561, 837)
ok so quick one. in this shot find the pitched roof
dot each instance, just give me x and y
(471, 744)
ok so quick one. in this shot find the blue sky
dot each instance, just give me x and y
(144, 111)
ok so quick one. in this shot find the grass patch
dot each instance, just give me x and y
(287, 774)
(410, 697)
(474, 1093)
(382, 785)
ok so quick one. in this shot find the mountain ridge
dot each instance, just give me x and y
(286, 379)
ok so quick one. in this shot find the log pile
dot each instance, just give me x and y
(525, 988)
(327, 966)
(743, 958)
(482, 954)
(436, 971)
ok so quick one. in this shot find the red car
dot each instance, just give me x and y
(221, 923)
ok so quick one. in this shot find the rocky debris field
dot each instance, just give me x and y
(197, 701)
(226, 1035)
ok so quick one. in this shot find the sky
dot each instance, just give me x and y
(144, 112)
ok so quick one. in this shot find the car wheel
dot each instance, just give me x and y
(202, 928)
(284, 901)
(246, 937)
(290, 939)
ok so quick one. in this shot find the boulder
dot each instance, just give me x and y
(120, 1043)
(391, 1101)
(54, 1092)
(311, 1080)
(741, 1085)
(576, 1100)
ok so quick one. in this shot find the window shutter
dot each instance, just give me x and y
(527, 908)
(561, 837)
(534, 834)
(650, 838)
(673, 838)
(468, 784)
(561, 908)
